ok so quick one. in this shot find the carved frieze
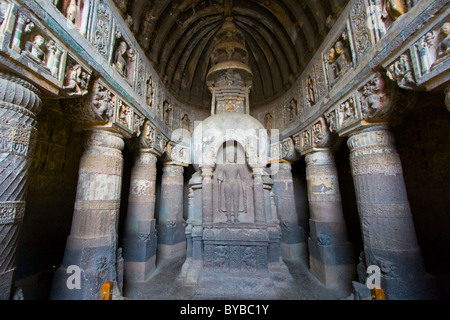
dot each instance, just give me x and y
(101, 32)
(27, 41)
(314, 136)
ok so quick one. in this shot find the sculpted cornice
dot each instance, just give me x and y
(339, 83)
(65, 54)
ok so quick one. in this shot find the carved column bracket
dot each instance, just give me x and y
(377, 100)
(315, 136)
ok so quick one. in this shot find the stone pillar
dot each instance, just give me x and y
(171, 226)
(139, 243)
(91, 247)
(385, 216)
(194, 233)
(258, 193)
(207, 200)
(331, 256)
(19, 104)
(293, 245)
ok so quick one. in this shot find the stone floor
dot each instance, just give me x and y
(163, 285)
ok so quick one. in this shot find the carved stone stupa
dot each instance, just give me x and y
(233, 234)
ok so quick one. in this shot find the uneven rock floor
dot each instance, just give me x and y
(163, 285)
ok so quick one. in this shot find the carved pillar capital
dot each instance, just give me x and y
(17, 92)
(104, 139)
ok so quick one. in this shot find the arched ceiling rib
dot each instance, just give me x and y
(281, 36)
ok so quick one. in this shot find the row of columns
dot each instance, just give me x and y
(92, 245)
(387, 227)
(386, 222)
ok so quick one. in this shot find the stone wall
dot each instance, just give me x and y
(422, 141)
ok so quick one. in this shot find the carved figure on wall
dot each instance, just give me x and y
(103, 102)
(124, 115)
(268, 120)
(343, 60)
(130, 60)
(444, 45)
(396, 8)
(292, 108)
(149, 95)
(374, 97)
(378, 14)
(338, 60)
(119, 59)
(231, 178)
(166, 112)
(427, 51)
(186, 123)
(35, 48)
(77, 81)
(310, 96)
(401, 72)
(332, 71)
(331, 119)
(71, 10)
(317, 133)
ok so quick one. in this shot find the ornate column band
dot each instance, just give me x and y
(92, 243)
(386, 222)
(19, 104)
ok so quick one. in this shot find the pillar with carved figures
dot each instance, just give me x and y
(19, 104)
(91, 253)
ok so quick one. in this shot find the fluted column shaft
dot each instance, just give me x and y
(19, 104)
(92, 243)
(385, 216)
(171, 225)
(292, 235)
(331, 256)
(139, 243)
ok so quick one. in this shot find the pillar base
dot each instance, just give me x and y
(333, 265)
(6, 280)
(170, 251)
(95, 259)
(139, 249)
(171, 239)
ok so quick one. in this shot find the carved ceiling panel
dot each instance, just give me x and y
(281, 36)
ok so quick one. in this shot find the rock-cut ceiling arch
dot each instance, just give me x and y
(178, 36)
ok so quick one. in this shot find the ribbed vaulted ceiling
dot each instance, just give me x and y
(281, 36)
